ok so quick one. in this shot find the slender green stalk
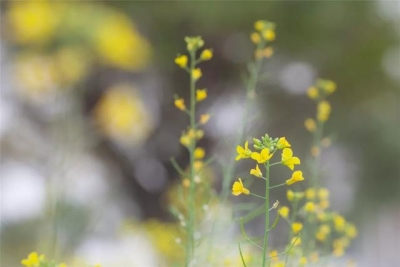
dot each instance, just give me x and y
(192, 211)
(266, 227)
(292, 218)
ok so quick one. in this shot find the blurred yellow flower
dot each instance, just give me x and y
(255, 37)
(323, 193)
(282, 143)
(262, 157)
(121, 114)
(119, 44)
(207, 54)
(201, 94)
(324, 204)
(180, 103)
(256, 172)
(33, 260)
(351, 230)
(185, 140)
(243, 152)
(297, 176)
(294, 196)
(284, 211)
(339, 222)
(310, 125)
(181, 61)
(288, 159)
(62, 265)
(296, 241)
(196, 73)
(296, 227)
(264, 53)
(269, 35)
(274, 255)
(312, 92)
(315, 151)
(303, 261)
(314, 257)
(259, 25)
(327, 85)
(72, 63)
(199, 153)
(33, 22)
(204, 118)
(309, 207)
(323, 110)
(238, 188)
(310, 193)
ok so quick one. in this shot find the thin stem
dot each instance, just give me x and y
(275, 163)
(257, 195)
(278, 185)
(266, 227)
(245, 235)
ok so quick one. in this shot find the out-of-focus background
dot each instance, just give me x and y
(87, 119)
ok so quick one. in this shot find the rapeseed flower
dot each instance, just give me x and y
(294, 196)
(323, 193)
(199, 153)
(269, 35)
(238, 188)
(310, 125)
(33, 260)
(284, 211)
(312, 92)
(262, 157)
(204, 118)
(288, 159)
(323, 110)
(256, 172)
(207, 54)
(201, 94)
(180, 103)
(297, 176)
(296, 227)
(282, 143)
(309, 207)
(181, 61)
(196, 73)
(255, 37)
(310, 193)
(243, 152)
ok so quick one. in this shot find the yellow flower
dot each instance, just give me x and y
(294, 195)
(323, 110)
(32, 22)
(201, 94)
(274, 255)
(296, 227)
(297, 176)
(264, 53)
(324, 204)
(207, 54)
(196, 73)
(243, 152)
(309, 207)
(195, 135)
(315, 151)
(284, 211)
(255, 37)
(325, 228)
(310, 125)
(121, 114)
(338, 252)
(323, 193)
(238, 188)
(259, 25)
(328, 86)
(339, 222)
(256, 172)
(310, 193)
(282, 143)
(33, 260)
(312, 92)
(288, 159)
(199, 153)
(303, 261)
(180, 103)
(119, 44)
(185, 140)
(181, 61)
(262, 157)
(351, 230)
(320, 236)
(197, 165)
(204, 118)
(62, 265)
(269, 35)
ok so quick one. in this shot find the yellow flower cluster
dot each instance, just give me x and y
(267, 147)
(319, 92)
(265, 32)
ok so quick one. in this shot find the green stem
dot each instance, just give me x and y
(266, 227)
(278, 185)
(192, 211)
